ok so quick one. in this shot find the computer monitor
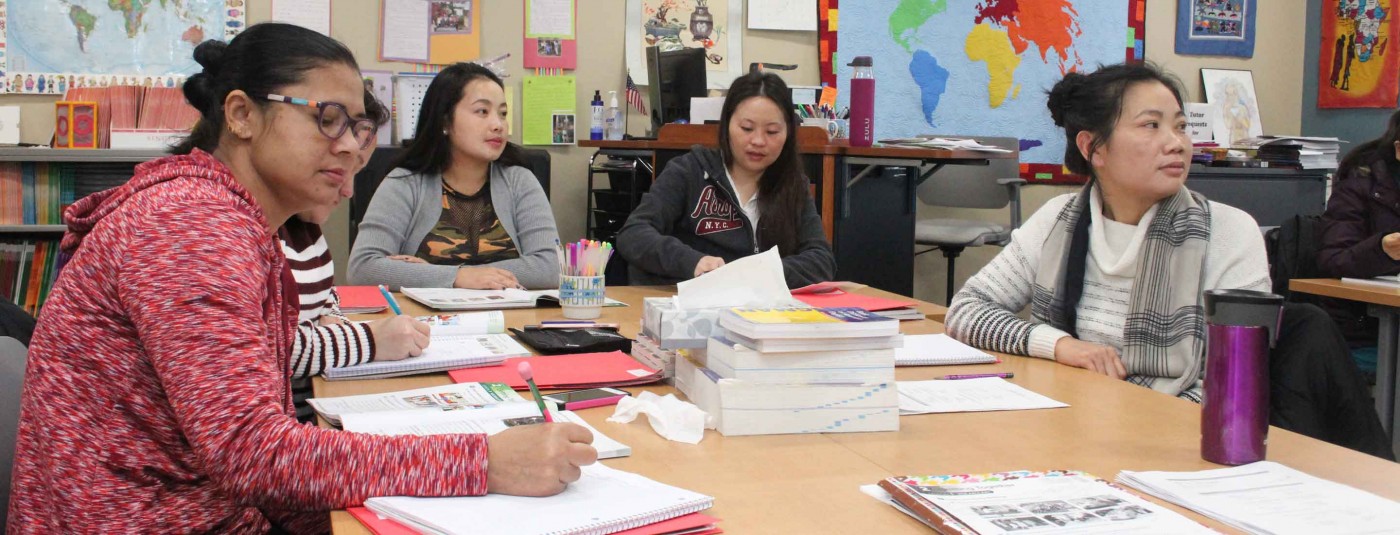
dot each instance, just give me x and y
(674, 77)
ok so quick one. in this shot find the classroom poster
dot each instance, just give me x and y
(673, 24)
(550, 41)
(548, 104)
(1215, 27)
(436, 32)
(1358, 66)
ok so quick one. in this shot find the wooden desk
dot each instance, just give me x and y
(1384, 304)
(874, 220)
(809, 483)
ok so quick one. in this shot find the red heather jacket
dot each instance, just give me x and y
(156, 397)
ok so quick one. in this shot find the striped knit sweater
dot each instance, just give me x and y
(317, 347)
(156, 394)
(983, 312)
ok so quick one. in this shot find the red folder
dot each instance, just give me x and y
(838, 298)
(687, 523)
(579, 370)
(361, 299)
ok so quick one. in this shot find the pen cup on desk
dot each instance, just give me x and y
(581, 296)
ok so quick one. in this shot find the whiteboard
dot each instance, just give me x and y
(408, 100)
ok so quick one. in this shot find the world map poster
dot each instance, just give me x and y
(983, 68)
(47, 46)
(1358, 64)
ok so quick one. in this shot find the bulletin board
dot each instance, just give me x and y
(408, 100)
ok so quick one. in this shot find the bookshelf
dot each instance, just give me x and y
(36, 183)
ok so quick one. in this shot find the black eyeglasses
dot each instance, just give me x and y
(333, 119)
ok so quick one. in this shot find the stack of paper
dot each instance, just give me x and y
(969, 395)
(1267, 497)
(932, 142)
(938, 350)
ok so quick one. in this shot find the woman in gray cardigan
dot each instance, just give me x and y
(459, 211)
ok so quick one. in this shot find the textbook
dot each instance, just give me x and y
(603, 500)
(938, 350)
(751, 408)
(767, 323)
(441, 354)
(433, 398)
(447, 326)
(1267, 497)
(361, 299)
(486, 420)
(790, 345)
(1058, 501)
(732, 360)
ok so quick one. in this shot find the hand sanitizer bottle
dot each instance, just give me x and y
(615, 120)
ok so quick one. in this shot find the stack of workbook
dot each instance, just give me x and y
(797, 370)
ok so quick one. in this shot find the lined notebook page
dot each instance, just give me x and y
(457, 352)
(937, 350)
(604, 500)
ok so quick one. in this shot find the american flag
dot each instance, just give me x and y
(634, 97)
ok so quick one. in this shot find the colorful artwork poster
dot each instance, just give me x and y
(1215, 27)
(715, 25)
(1358, 65)
(48, 46)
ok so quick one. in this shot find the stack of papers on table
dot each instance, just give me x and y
(969, 395)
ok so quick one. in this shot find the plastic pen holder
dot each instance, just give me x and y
(581, 297)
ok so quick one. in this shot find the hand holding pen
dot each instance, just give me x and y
(399, 336)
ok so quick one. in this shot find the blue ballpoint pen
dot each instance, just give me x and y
(393, 305)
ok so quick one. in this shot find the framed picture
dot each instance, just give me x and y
(1232, 94)
(1358, 65)
(1215, 27)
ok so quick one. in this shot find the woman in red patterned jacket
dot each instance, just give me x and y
(156, 396)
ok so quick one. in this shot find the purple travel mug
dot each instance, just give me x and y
(862, 123)
(1241, 326)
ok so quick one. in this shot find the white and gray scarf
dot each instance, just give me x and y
(1163, 337)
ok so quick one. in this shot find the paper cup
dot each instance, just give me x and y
(581, 297)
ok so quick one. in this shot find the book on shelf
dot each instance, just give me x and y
(441, 354)
(1267, 497)
(603, 500)
(733, 360)
(806, 323)
(752, 408)
(1058, 501)
(27, 271)
(35, 193)
(433, 398)
(488, 420)
(938, 350)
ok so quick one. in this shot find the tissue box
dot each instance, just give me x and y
(748, 408)
(648, 352)
(674, 328)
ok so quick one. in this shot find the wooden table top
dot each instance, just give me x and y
(810, 483)
(1365, 293)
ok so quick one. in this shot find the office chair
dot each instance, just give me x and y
(382, 162)
(13, 355)
(992, 186)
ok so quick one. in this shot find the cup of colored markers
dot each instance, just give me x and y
(581, 280)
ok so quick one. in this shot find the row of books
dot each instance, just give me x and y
(27, 272)
(131, 107)
(35, 193)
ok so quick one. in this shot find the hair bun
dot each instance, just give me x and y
(1062, 96)
(210, 55)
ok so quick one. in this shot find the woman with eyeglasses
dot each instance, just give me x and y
(156, 392)
(460, 210)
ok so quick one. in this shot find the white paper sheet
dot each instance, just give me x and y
(550, 18)
(404, 30)
(310, 14)
(755, 280)
(937, 349)
(796, 15)
(968, 395)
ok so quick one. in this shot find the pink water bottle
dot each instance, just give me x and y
(862, 102)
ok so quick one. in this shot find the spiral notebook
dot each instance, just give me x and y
(938, 350)
(604, 500)
(442, 354)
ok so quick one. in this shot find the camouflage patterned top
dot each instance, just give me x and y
(468, 232)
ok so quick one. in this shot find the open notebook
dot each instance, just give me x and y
(487, 420)
(604, 500)
(444, 353)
